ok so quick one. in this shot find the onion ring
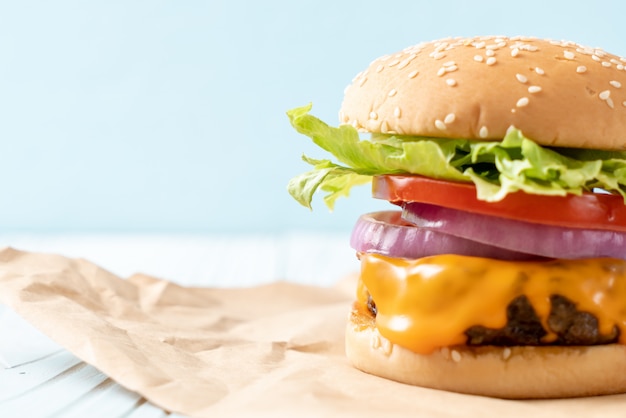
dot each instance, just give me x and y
(387, 234)
(530, 238)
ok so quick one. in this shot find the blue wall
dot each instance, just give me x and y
(169, 116)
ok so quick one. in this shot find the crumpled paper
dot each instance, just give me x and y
(272, 350)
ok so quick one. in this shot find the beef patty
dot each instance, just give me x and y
(523, 326)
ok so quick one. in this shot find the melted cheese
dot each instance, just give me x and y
(428, 303)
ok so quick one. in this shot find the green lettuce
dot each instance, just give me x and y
(497, 168)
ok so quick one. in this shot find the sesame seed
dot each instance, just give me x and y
(491, 61)
(438, 55)
(456, 356)
(413, 74)
(392, 92)
(609, 101)
(490, 53)
(483, 132)
(478, 58)
(363, 80)
(397, 112)
(568, 55)
(448, 64)
(440, 125)
(506, 353)
(522, 102)
(604, 94)
(624, 103)
(451, 82)
(394, 62)
(479, 45)
(384, 127)
(375, 341)
(521, 78)
(380, 68)
(450, 117)
(445, 351)
(615, 84)
(619, 66)
(534, 89)
(451, 68)
(515, 52)
(581, 69)
(441, 71)
(373, 115)
(539, 71)
(606, 64)
(387, 346)
(595, 58)
(404, 64)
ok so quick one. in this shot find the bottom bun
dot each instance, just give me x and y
(522, 372)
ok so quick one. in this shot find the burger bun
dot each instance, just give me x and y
(523, 372)
(557, 93)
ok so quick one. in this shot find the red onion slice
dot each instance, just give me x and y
(542, 240)
(387, 234)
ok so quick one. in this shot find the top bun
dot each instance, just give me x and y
(557, 93)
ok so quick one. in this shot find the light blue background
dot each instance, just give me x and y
(169, 116)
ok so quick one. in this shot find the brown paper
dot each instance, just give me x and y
(273, 350)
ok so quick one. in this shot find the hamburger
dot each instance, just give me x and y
(501, 269)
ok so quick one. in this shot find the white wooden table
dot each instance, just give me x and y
(40, 379)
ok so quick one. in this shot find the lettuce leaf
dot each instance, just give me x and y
(497, 168)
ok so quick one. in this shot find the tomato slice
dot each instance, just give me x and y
(589, 211)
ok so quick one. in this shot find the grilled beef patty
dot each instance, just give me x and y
(523, 326)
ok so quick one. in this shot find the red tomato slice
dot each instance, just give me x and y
(589, 211)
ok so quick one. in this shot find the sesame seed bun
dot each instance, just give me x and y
(503, 372)
(557, 93)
